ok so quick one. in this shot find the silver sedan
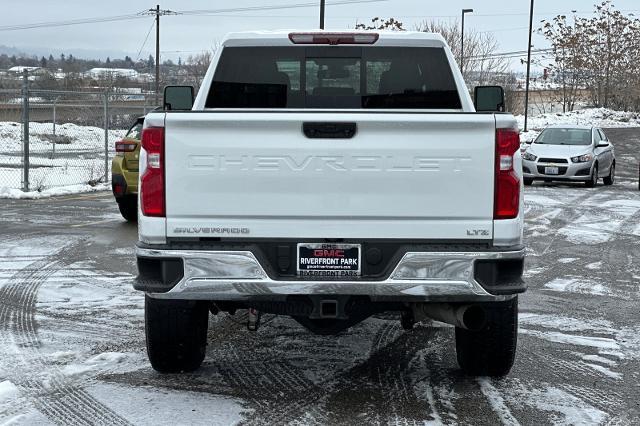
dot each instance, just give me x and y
(570, 153)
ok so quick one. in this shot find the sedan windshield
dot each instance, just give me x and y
(565, 137)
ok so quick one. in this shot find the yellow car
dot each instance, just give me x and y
(124, 172)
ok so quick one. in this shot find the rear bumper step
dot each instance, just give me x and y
(418, 276)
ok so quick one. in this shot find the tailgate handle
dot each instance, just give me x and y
(329, 130)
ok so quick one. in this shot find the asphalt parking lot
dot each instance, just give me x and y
(72, 331)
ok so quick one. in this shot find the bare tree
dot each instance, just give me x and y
(197, 66)
(481, 63)
(598, 55)
(377, 23)
(568, 50)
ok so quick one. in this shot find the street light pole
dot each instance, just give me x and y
(526, 92)
(157, 54)
(322, 4)
(464, 11)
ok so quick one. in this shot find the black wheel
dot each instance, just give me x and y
(129, 208)
(407, 320)
(591, 183)
(492, 350)
(176, 333)
(608, 180)
(528, 181)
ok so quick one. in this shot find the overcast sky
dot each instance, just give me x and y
(184, 35)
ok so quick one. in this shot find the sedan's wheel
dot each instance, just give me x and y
(528, 181)
(608, 180)
(594, 178)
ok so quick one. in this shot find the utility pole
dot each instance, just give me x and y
(322, 4)
(464, 12)
(526, 92)
(157, 12)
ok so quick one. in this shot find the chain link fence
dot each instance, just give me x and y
(60, 138)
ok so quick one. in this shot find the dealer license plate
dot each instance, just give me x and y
(328, 260)
(551, 171)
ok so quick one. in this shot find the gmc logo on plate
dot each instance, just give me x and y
(328, 253)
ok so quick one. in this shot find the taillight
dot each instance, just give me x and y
(152, 192)
(507, 183)
(333, 39)
(125, 146)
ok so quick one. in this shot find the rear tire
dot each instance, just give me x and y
(176, 332)
(492, 350)
(591, 183)
(128, 207)
(608, 180)
(528, 181)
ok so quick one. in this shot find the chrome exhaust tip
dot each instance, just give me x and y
(469, 317)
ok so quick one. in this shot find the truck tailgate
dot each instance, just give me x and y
(257, 175)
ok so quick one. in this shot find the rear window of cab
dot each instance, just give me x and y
(334, 77)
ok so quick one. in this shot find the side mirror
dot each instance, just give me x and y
(489, 99)
(178, 98)
(603, 145)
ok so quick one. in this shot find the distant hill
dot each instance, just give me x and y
(102, 54)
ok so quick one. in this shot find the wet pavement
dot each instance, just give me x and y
(72, 331)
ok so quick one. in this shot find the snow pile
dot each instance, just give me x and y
(6, 192)
(599, 117)
(69, 137)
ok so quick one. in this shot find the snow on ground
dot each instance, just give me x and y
(600, 346)
(172, 407)
(599, 117)
(7, 390)
(565, 407)
(599, 225)
(578, 285)
(70, 137)
(79, 156)
(12, 193)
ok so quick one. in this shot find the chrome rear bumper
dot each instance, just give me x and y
(238, 276)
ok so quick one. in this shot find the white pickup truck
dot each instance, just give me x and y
(330, 177)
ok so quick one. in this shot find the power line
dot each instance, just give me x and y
(206, 12)
(197, 12)
(153, 23)
(80, 21)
